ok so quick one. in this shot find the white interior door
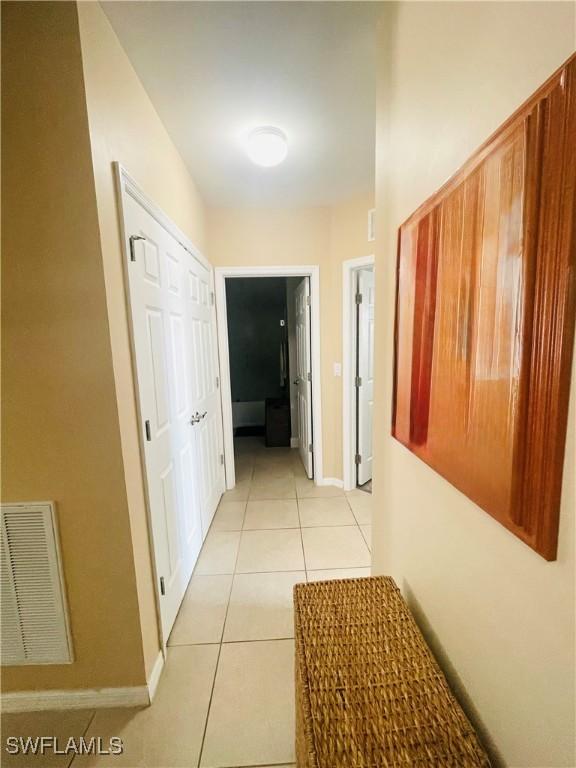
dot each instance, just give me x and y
(303, 379)
(365, 381)
(169, 358)
(207, 415)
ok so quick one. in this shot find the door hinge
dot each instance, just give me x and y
(132, 240)
(358, 298)
(222, 458)
(357, 459)
(311, 448)
(308, 300)
(162, 587)
(309, 376)
(212, 298)
(148, 432)
(217, 382)
(358, 381)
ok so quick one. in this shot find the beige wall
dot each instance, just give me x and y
(70, 431)
(449, 74)
(124, 126)
(60, 435)
(325, 236)
(348, 240)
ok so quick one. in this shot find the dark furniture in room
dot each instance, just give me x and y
(277, 423)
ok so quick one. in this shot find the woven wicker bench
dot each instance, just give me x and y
(369, 693)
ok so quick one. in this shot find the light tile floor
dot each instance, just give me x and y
(226, 697)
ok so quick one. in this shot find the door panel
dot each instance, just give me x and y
(303, 373)
(191, 502)
(170, 515)
(365, 392)
(197, 374)
(179, 363)
(158, 365)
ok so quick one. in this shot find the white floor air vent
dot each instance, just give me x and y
(34, 612)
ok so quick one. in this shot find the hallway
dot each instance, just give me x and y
(349, 227)
(226, 696)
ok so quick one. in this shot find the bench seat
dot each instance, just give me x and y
(369, 693)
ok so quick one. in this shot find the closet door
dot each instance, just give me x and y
(158, 270)
(206, 410)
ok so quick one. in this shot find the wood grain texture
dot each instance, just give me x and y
(485, 318)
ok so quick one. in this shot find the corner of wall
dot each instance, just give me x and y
(60, 429)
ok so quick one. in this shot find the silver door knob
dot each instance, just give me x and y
(297, 380)
(196, 417)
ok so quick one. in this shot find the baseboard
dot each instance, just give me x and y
(294, 442)
(155, 675)
(83, 698)
(86, 698)
(331, 481)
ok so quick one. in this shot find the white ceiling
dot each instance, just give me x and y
(215, 70)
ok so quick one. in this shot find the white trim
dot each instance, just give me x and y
(127, 185)
(332, 481)
(225, 386)
(349, 269)
(294, 442)
(155, 675)
(83, 698)
(220, 275)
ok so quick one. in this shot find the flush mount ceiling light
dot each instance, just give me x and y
(267, 146)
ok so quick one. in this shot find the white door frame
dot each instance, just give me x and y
(349, 270)
(220, 275)
(126, 186)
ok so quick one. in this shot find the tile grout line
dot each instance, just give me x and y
(254, 573)
(285, 527)
(200, 753)
(211, 695)
(361, 532)
(257, 640)
(263, 765)
(84, 733)
(365, 542)
(302, 539)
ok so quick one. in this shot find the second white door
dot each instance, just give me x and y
(365, 370)
(204, 375)
(303, 378)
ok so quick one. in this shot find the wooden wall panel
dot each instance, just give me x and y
(485, 318)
